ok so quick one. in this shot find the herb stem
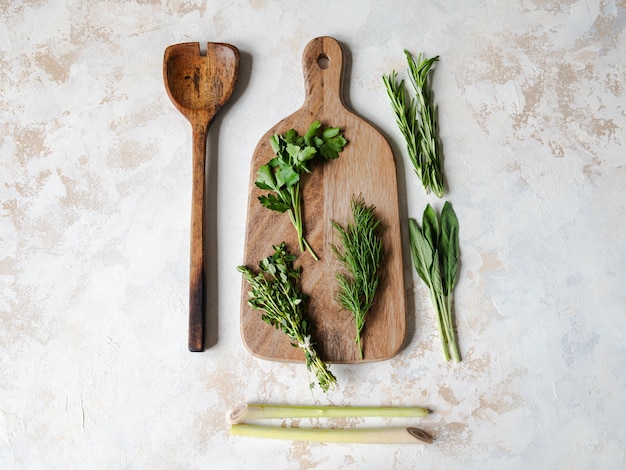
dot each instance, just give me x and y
(255, 411)
(295, 215)
(454, 348)
(391, 435)
(434, 298)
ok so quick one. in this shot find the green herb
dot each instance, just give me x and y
(257, 411)
(276, 291)
(417, 122)
(373, 435)
(361, 256)
(283, 173)
(240, 416)
(435, 251)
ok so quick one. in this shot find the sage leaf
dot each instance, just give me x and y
(421, 252)
(430, 226)
(449, 245)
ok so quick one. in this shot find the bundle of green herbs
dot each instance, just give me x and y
(435, 252)
(417, 121)
(283, 173)
(361, 254)
(275, 290)
(434, 246)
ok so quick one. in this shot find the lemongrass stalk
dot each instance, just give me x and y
(394, 435)
(251, 412)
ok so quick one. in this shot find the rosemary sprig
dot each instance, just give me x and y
(361, 256)
(417, 121)
(276, 291)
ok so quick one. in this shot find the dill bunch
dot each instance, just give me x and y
(361, 255)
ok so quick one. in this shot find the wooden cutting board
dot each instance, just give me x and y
(366, 166)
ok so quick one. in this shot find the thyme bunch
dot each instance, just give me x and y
(275, 290)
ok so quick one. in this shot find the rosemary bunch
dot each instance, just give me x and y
(417, 121)
(276, 291)
(361, 256)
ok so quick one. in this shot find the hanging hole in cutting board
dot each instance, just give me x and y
(323, 61)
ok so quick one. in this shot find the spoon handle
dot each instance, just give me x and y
(197, 275)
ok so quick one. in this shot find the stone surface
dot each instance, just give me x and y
(94, 228)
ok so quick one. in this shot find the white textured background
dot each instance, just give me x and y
(94, 228)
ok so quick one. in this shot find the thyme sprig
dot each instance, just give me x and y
(417, 121)
(361, 255)
(275, 290)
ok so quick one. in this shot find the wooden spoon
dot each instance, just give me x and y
(199, 85)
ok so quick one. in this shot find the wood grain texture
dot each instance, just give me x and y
(199, 85)
(366, 166)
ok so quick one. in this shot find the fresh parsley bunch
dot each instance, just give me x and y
(283, 173)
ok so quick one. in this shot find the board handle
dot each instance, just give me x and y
(323, 64)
